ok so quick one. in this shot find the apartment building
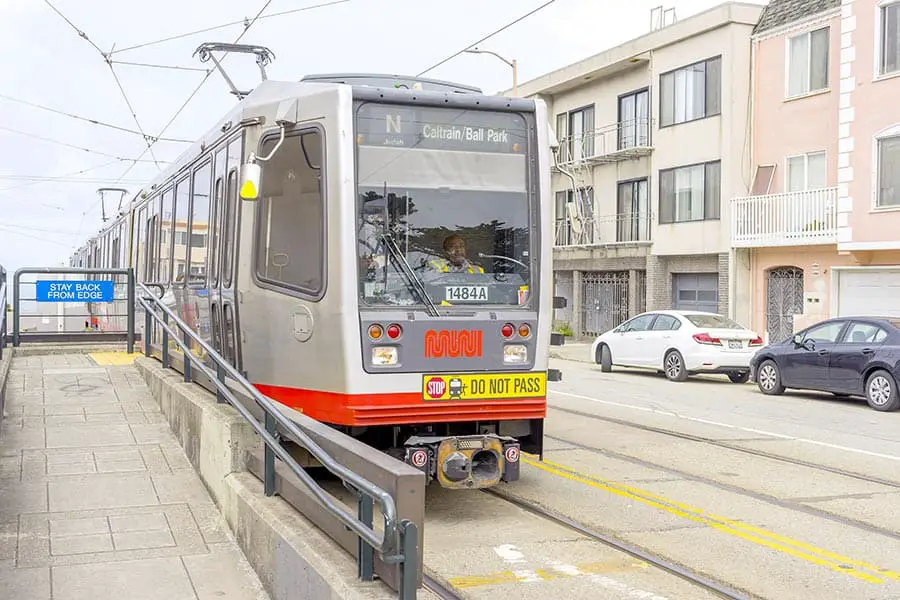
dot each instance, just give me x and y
(654, 143)
(819, 226)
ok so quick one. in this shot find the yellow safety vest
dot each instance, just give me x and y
(444, 267)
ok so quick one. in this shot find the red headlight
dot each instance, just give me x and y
(394, 331)
(507, 330)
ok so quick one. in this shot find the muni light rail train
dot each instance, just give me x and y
(372, 251)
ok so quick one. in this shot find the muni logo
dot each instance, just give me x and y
(435, 387)
(465, 343)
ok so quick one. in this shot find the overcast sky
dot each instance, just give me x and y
(46, 62)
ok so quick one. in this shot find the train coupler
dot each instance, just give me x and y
(465, 462)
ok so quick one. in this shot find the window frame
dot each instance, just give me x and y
(805, 156)
(659, 208)
(706, 113)
(196, 169)
(643, 224)
(279, 286)
(809, 54)
(890, 133)
(880, 40)
(620, 137)
(569, 142)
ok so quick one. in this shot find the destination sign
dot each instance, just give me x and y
(399, 126)
(75, 291)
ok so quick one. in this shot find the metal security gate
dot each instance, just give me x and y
(784, 299)
(641, 287)
(604, 301)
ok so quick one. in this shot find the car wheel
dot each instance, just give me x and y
(673, 365)
(769, 379)
(604, 358)
(739, 377)
(881, 391)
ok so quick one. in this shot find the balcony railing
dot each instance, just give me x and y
(601, 230)
(788, 219)
(612, 143)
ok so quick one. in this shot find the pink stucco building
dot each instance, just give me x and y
(818, 233)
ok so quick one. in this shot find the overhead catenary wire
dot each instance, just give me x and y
(60, 143)
(87, 119)
(155, 66)
(225, 25)
(487, 37)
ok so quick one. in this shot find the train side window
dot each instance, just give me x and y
(180, 232)
(216, 209)
(165, 237)
(229, 335)
(141, 244)
(199, 238)
(290, 236)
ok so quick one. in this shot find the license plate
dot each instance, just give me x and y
(494, 386)
(735, 344)
(466, 293)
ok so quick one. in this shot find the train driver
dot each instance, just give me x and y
(456, 262)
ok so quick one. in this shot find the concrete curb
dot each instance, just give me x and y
(293, 559)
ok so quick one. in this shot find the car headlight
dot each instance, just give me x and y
(515, 354)
(384, 356)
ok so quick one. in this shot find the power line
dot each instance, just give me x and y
(488, 36)
(86, 119)
(112, 70)
(153, 66)
(83, 149)
(45, 179)
(224, 25)
(50, 179)
(200, 85)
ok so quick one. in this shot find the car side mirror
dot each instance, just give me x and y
(798, 339)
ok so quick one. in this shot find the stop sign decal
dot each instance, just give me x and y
(435, 387)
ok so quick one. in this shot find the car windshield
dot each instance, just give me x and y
(443, 206)
(713, 322)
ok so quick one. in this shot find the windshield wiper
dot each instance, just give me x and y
(410, 275)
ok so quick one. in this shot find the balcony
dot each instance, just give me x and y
(614, 143)
(788, 219)
(604, 230)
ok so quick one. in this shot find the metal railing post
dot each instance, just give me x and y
(187, 359)
(165, 343)
(409, 546)
(365, 558)
(269, 458)
(132, 307)
(148, 323)
(16, 281)
(220, 375)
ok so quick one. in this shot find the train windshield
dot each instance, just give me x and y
(443, 206)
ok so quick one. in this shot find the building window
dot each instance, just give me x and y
(633, 217)
(575, 134)
(690, 193)
(806, 172)
(808, 62)
(889, 43)
(565, 236)
(691, 93)
(888, 190)
(634, 120)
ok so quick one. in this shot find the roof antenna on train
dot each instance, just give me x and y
(100, 191)
(264, 56)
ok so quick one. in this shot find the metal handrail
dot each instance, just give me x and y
(389, 545)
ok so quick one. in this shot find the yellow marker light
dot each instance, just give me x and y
(375, 331)
(250, 177)
(248, 190)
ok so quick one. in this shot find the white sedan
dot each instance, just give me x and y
(679, 343)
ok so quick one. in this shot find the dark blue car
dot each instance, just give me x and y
(847, 356)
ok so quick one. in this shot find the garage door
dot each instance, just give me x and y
(696, 291)
(873, 292)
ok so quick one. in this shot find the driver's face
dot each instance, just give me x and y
(456, 251)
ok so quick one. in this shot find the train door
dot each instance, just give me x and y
(223, 241)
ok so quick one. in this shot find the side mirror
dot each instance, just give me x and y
(250, 177)
(798, 339)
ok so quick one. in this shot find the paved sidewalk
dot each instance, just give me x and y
(577, 351)
(97, 499)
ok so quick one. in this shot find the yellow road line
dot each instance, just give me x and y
(113, 359)
(548, 574)
(757, 535)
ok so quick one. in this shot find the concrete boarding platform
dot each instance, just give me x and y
(97, 499)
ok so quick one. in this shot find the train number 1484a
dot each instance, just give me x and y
(467, 293)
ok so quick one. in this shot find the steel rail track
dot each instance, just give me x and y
(662, 564)
(736, 448)
(439, 589)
